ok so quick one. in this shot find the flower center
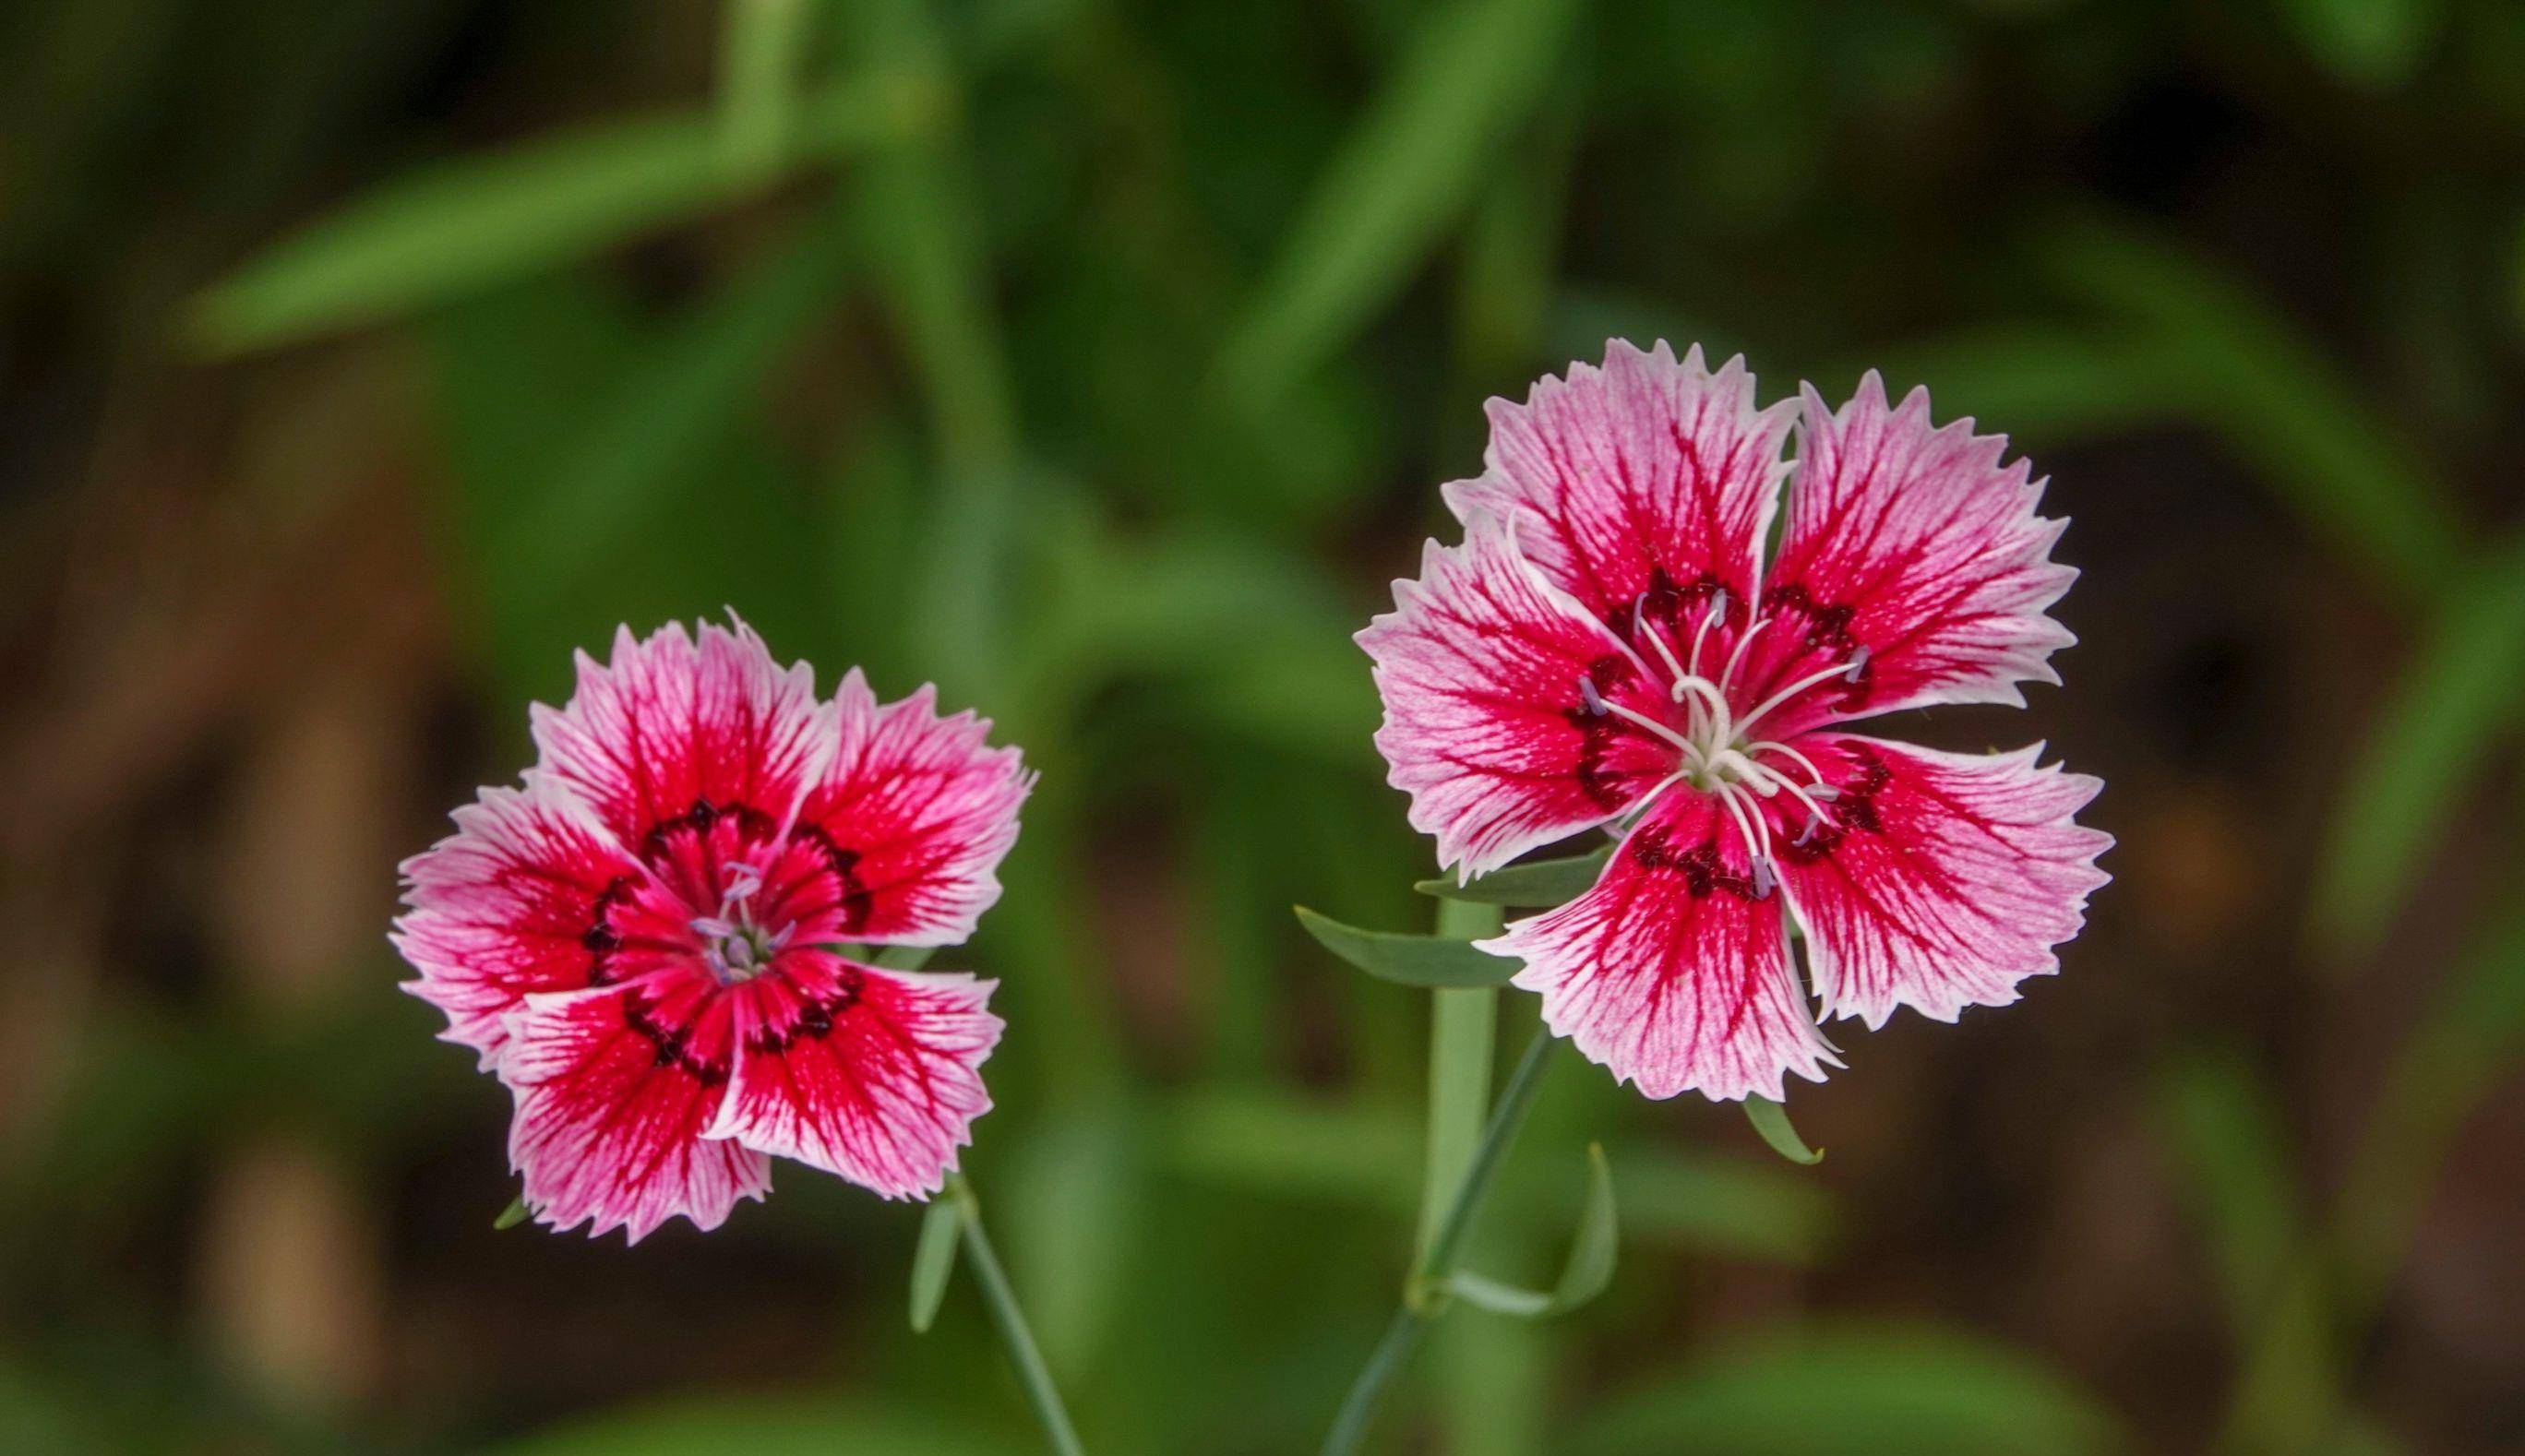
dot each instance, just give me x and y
(1715, 748)
(735, 944)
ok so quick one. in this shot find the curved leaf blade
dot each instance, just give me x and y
(1586, 1272)
(1771, 1120)
(1426, 961)
(1541, 881)
(933, 1260)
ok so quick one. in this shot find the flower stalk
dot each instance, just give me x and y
(1465, 1153)
(1024, 1355)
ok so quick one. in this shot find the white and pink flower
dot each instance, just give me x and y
(1610, 647)
(646, 940)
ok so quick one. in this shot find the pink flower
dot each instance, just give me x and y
(1610, 647)
(643, 939)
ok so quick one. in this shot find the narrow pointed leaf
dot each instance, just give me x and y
(903, 958)
(514, 1214)
(2462, 695)
(1541, 881)
(933, 1260)
(1589, 1269)
(1771, 1120)
(1409, 960)
(454, 227)
(1399, 181)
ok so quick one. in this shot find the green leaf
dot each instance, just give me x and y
(2270, 394)
(758, 55)
(903, 958)
(2370, 43)
(1587, 1271)
(1540, 882)
(2040, 384)
(614, 471)
(1771, 1120)
(1429, 961)
(2225, 1127)
(1853, 1391)
(2464, 692)
(460, 226)
(942, 1226)
(1410, 168)
(773, 1422)
(514, 1214)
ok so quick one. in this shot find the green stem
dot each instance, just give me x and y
(1464, 1028)
(1032, 1373)
(1424, 1295)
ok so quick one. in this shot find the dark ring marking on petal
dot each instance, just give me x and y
(700, 819)
(1827, 632)
(855, 902)
(1596, 732)
(817, 1017)
(1855, 808)
(1703, 870)
(601, 939)
(1664, 603)
(671, 1051)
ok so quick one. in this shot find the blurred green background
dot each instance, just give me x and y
(1101, 361)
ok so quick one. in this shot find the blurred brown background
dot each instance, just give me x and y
(1100, 361)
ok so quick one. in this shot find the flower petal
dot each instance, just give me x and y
(1674, 970)
(870, 1074)
(1912, 553)
(613, 1088)
(1486, 724)
(1645, 479)
(1947, 879)
(530, 895)
(668, 728)
(911, 817)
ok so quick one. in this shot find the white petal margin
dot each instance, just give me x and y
(1951, 887)
(1644, 464)
(1672, 972)
(1487, 726)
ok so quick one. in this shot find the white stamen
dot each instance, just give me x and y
(713, 926)
(1764, 879)
(1838, 669)
(1656, 639)
(1736, 658)
(1813, 822)
(1857, 663)
(1718, 613)
(1598, 703)
(1768, 745)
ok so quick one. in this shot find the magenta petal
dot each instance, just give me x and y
(526, 896)
(870, 1074)
(912, 815)
(1947, 879)
(1913, 558)
(614, 1087)
(1645, 476)
(1487, 725)
(1674, 970)
(668, 727)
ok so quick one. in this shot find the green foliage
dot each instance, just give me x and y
(1536, 881)
(1583, 1275)
(1835, 1389)
(457, 229)
(1771, 1120)
(1097, 363)
(1430, 961)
